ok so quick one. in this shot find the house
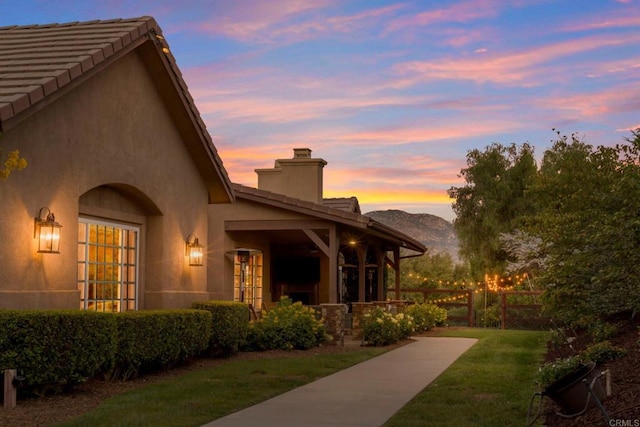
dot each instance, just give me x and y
(117, 155)
(125, 203)
(284, 238)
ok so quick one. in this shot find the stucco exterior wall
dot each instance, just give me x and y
(111, 129)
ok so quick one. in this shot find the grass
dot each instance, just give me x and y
(207, 394)
(489, 385)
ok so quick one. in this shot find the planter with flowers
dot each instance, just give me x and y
(563, 380)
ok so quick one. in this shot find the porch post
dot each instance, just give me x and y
(380, 274)
(396, 256)
(333, 264)
(362, 259)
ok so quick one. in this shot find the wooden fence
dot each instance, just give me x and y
(519, 315)
(450, 298)
(514, 313)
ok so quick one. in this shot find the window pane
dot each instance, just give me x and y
(104, 280)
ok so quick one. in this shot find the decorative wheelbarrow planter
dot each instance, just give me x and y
(571, 394)
(575, 392)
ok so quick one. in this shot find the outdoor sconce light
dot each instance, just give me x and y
(194, 250)
(47, 231)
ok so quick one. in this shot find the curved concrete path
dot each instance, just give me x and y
(364, 395)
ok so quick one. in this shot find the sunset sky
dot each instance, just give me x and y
(392, 94)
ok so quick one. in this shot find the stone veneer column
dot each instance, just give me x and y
(334, 321)
(359, 309)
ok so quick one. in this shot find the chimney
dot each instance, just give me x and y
(299, 177)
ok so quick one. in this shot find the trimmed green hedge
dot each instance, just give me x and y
(229, 326)
(55, 349)
(150, 340)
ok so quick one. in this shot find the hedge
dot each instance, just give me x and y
(229, 326)
(55, 349)
(151, 340)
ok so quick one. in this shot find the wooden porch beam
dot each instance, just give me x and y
(262, 225)
(317, 240)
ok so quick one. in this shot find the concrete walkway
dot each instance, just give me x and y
(364, 395)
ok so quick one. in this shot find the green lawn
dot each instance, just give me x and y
(489, 385)
(207, 394)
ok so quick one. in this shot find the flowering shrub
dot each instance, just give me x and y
(382, 328)
(552, 371)
(287, 326)
(426, 316)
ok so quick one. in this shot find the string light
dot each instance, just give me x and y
(492, 283)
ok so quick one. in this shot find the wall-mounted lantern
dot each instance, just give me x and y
(47, 231)
(194, 250)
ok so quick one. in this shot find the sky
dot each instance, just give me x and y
(392, 94)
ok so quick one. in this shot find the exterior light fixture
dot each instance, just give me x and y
(243, 259)
(194, 250)
(47, 231)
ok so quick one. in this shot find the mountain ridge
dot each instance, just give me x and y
(436, 233)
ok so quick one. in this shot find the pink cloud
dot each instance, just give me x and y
(595, 104)
(522, 68)
(433, 133)
(459, 12)
(630, 19)
(286, 21)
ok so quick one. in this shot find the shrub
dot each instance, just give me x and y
(426, 316)
(287, 326)
(602, 331)
(150, 340)
(552, 371)
(55, 349)
(602, 352)
(229, 326)
(382, 328)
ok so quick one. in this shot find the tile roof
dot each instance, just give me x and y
(37, 62)
(341, 216)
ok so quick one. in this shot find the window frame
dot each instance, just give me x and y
(84, 265)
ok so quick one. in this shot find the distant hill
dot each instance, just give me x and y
(436, 233)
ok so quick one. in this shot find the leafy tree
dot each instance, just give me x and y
(429, 270)
(589, 223)
(524, 251)
(13, 162)
(493, 201)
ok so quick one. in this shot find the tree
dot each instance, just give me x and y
(429, 270)
(13, 162)
(492, 202)
(589, 222)
(524, 252)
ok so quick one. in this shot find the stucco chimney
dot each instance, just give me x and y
(299, 177)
